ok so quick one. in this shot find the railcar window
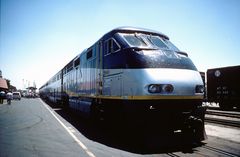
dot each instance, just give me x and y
(64, 71)
(110, 46)
(89, 54)
(115, 46)
(76, 62)
(69, 69)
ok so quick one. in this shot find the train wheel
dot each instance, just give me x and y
(195, 131)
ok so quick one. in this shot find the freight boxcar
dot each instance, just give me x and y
(223, 86)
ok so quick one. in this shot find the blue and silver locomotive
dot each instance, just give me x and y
(134, 73)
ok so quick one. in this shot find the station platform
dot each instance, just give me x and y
(30, 128)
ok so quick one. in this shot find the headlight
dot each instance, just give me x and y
(154, 88)
(168, 88)
(160, 88)
(199, 89)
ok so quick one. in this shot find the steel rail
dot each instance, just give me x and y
(223, 152)
(172, 155)
(223, 122)
(224, 113)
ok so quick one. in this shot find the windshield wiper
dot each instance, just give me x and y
(140, 48)
(182, 53)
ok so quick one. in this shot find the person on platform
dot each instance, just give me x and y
(2, 95)
(9, 97)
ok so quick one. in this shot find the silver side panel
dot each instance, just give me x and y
(113, 82)
(134, 82)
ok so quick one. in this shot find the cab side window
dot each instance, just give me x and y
(111, 46)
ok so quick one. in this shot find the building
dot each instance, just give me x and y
(3, 85)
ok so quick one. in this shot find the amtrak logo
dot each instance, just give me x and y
(217, 73)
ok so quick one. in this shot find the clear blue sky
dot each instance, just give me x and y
(38, 37)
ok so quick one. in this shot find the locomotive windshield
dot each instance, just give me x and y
(148, 41)
(154, 52)
(155, 40)
(135, 41)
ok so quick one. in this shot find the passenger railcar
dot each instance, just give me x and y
(136, 74)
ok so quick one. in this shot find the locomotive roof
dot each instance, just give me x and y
(126, 29)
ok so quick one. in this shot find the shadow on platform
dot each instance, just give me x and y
(128, 138)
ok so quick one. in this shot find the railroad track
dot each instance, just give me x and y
(223, 113)
(223, 118)
(173, 155)
(223, 122)
(207, 151)
(221, 152)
